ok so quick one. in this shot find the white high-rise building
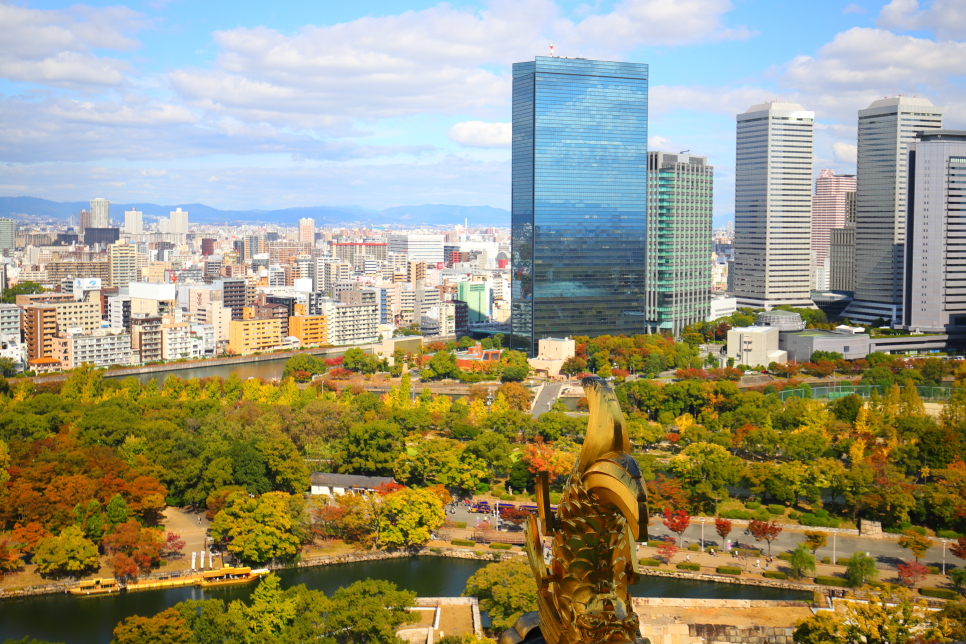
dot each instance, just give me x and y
(773, 206)
(100, 213)
(133, 222)
(830, 207)
(935, 247)
(886, 128)
(178, 224)
(418, 248)
(307, 231)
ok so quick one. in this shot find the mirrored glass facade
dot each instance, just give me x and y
(579, 199)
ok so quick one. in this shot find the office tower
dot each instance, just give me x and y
(83, 221)
(579, 199)
(8, 236)
(122, 264)
(886, 128)
(100, 213)
(477, 298)
(253, 245)
(133, 222)
(830, 206)
(418, 248)
(102, 236)
(307, 231)
(935, 247)
(207, 246)
(773, 206)
(178, 223)
(679, 240)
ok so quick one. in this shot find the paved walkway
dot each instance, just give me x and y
(193, 528)
(546, 398)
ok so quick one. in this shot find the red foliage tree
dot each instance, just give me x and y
(691, 374)
(667, 550)
(123, 565)
(765, 531)
(142, 545)
(514, 515)
(28, 536)
(676, 521)
(173, 544)
(667, 492)
(912, 573)
(959, 548)
(722, 527)
(339, 373)
(327, 521)
(385, 489)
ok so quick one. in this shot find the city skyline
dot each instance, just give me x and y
(173, 104)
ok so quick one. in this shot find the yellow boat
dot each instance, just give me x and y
(104, 586)
(228, 576)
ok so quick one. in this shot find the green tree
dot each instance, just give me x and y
(8, 367)
(442, 365)
(707, 469)
(117, 510)
(263, 528)
(23, 288)
(491, 448)
(860, 570)
(369, 612)
(303, 362)
(409, 517)
(69, 553)
(371, 448)
(506, 590)
(802, 561)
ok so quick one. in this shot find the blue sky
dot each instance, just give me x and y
(382, 103)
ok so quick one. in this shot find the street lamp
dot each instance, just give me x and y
(702, 533)
(834, 534)
(944, 555)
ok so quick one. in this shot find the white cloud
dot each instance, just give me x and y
(854, 8)
(478, 134)
(845, 152)
(54, 47)
(666, 99)
(946, 18)
(439, 59)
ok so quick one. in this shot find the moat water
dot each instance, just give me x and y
(91, 620)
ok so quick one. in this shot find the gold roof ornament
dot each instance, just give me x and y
(583, 593)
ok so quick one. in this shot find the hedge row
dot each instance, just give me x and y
(463, 542)
(832, 581)
(940, 593)
(647, 561)
(687, 565)
(777, 510)
(774, 574)
(500, 546)
(728, 570)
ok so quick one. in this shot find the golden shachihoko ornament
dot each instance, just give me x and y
(583, 593)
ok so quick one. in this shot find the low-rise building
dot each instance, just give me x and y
(102, 348)
(329, 484)
(755, 346)
(800, 345)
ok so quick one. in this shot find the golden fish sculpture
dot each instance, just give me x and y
(583, 593)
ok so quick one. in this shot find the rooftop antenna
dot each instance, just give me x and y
(551, 50)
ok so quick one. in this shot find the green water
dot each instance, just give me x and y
(91, 620)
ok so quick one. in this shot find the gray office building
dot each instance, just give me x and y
(8, 236)
(935, 260)
(773, 206)
(886, 128)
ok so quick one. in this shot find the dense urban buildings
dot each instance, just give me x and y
(679, 241)
(830, 209)
(100, 214)
(886, 128)
(935, 246)
(579, 199)
(773, 205)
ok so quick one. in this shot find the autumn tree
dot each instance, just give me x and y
(958, 548)
(69, 553)
(765, 531)
(514, 515)
(506, 590)
(676, 521)
(667, 550)
(723, 527)
(802, 561)
(912, 573)
(133, 547)
(409, 517)
(916, 543)
(263, 528)
(517, 396)
(815, 540)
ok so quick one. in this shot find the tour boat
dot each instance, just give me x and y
(104, 586)
(227, 576)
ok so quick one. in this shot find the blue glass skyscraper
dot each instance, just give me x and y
(579, 199)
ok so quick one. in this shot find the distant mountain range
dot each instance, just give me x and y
(35, 209)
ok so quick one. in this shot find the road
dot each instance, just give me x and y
(886, 551)
(546, 398)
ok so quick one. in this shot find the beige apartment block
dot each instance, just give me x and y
(250, 336)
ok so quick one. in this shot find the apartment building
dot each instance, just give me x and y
(250, 336)
(146, 337)
(309, 329)
(101, 348)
